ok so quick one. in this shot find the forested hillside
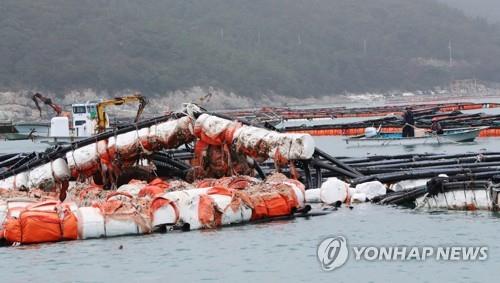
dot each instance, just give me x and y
(489, 9)
(289, 47)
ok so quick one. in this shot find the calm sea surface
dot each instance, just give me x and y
(282, 251)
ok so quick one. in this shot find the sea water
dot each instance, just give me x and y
(282, 251)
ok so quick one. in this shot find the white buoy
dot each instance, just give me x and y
(334, 190)
(370, 132)
(371, 189)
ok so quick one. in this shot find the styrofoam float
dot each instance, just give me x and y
(121, 213)
(16, 182)
(83, 160)
(43, 177)
(408, 184)
(94, 224)
(313, 195)
(90, 223)
(334, 190)
(46, 177)
(253, 141)
(87, 160)
(180, 206)
(266, 143)
(462, 199)
(369, 190)
(213, 207)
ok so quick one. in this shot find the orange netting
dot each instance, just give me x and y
(155, 187)
(86, 195)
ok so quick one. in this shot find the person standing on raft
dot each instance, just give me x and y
(409, 127)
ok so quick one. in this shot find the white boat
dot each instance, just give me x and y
(457, 135)
(85, 120)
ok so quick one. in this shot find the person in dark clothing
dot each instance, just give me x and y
(408, 129)
(437, 128)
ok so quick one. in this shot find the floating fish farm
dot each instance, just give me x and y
(195, 169)
(388, 118)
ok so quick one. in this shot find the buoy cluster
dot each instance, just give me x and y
(141, 208)
(60, 199)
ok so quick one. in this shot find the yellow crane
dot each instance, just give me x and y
(102, 119)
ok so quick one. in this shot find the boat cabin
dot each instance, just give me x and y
(83, 121)
(85, 118)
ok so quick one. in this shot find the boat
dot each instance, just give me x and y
(457, 135)
(33, 128)
(16, 136)
(85, 120)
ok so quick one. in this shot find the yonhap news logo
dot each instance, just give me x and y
(333, 252)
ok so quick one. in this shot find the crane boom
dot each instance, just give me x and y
(47, 101)
(102, 120)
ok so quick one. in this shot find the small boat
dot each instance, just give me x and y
(16, 136)
(26, 128)
(457, 135)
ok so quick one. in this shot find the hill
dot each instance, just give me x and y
(489, 9)
(290, 47)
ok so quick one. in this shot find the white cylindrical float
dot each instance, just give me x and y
(408, 184)
(267, 143)
(231, 215)
(457, 200)
(83, 160)
(258, 142)
(184, 208)
(122, 226)
(164, 212)
(334, 190)
(46, 176)
(313, 196)
(90, 223)
(173, 133)
(16, 182)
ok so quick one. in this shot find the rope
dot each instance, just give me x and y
(29, 177)
(115, 160)
(74, 147)
(424, 201)
(141, 147)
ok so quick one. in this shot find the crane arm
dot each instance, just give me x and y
(101, 115)
(47, 101)
(35, 98)
(142, 104)
(56, 108)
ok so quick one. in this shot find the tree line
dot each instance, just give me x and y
(290, 47)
